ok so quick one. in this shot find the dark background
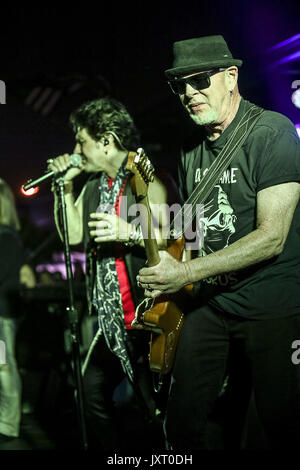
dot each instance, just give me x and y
(55, 57)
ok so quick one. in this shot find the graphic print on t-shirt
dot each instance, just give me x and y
(215, 227)
(218, 223)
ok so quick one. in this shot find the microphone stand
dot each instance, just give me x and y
(73, 317)
(71, 310)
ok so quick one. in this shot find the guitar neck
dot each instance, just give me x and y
(150, 242)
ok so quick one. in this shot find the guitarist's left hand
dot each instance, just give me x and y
(168, 276)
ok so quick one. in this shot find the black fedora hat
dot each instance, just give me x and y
(198, 54)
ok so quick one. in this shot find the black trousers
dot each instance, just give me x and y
(103, 374)
(254, 355)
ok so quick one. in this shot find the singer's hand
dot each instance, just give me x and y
(108, 228)
(61, 164)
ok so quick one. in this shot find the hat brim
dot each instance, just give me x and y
(199, 67)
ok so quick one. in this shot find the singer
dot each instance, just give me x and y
(104, 134)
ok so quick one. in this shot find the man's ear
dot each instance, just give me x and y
(231, 77)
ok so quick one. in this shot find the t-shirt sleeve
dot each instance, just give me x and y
(280, 161)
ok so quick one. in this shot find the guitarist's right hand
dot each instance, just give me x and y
(168, 276)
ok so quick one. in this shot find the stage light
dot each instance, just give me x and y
(29, 192)
(57, 264)
(286, 42)
(298, 129)
(290, 58)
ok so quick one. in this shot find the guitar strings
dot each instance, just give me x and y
(217, 166)
(190, 207)
(194, 195)
(227, 160)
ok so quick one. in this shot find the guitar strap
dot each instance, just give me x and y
(205, 187)
(216, 170)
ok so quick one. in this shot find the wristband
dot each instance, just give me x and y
(134, 236)
(68, 186)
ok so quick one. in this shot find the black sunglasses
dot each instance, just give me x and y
(200, 81)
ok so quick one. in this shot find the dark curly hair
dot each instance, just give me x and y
(107, 116)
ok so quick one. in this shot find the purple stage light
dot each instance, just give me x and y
(286, 51)
(298, 129)
(290, 58)
(57, 264)
(286, 42)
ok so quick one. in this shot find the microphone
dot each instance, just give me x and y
(75, 160)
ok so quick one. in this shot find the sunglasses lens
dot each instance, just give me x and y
(199, 82)
(178, 86)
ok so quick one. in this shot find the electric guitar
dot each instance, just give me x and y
(164, 318)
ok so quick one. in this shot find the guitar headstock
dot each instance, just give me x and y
(141, 167)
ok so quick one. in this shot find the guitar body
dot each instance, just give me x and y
(165, 320)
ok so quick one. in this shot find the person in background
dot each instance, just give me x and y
(11, 260)
(27, 276)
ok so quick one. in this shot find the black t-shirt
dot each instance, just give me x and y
(270, 156)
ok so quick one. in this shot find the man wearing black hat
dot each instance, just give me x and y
(245, 317)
